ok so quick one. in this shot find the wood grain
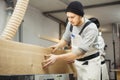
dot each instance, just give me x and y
(19, 58)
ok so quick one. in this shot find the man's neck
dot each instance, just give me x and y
(82, 21)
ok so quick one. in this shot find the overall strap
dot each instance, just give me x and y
(71, 28)
(85, 25)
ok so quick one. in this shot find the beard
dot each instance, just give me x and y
(78, 23)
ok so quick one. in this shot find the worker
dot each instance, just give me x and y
(101, 46)
(83, 35)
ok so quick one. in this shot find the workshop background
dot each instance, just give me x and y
(44, 24)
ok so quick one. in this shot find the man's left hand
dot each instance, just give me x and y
(50, 60)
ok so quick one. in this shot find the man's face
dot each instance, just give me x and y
(74, 19)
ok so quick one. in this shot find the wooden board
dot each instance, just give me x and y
(19, 58)
(118, 75)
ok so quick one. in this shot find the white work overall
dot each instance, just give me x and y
(104, 73)
(90, 71)
(104, 70)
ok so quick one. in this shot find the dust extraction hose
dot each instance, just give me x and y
(15, 20)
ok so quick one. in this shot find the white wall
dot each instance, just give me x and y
(36, 24)
(3, 15)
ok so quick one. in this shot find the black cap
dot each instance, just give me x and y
(96, 21)
(75, 7)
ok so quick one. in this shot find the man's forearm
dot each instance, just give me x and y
(62, 43)
(69, 56)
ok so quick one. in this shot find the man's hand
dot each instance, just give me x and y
(59, 45)
(52, 58)
(54, 48)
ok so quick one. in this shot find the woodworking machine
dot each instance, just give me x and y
(38, 77)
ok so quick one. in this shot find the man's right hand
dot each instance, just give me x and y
(54, 48)
(61, 44)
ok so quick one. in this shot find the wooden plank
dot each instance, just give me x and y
(49, 38)
(19, 58)
(117, 70)
(118, 75)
